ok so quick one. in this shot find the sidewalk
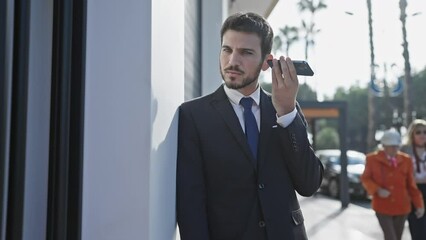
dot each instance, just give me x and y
(325, 219)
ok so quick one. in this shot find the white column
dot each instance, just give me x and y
(167, 94)
(134, 84)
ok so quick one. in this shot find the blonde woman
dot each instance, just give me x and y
(415, 146)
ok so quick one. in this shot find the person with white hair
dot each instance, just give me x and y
(388, 178)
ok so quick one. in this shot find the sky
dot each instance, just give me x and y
(341, 55)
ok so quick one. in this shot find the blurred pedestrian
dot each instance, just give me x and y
(388, 178)
(415, 146)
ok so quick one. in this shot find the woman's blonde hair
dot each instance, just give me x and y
(409, 138)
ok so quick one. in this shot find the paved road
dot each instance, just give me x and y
(325, 219)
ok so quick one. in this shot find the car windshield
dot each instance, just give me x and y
(351, 160)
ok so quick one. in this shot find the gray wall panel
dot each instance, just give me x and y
(38, 122)
(192, 48)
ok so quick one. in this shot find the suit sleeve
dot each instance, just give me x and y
(190, 189)
(302, 117)
(305, 168)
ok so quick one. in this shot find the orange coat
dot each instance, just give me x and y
(399, 181)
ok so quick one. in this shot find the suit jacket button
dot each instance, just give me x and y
(262, 224)
(261, 186)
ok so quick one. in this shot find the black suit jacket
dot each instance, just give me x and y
(221, 195)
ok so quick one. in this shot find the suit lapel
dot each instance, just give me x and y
(221, 103)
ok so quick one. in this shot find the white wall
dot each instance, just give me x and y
(134, 83)
(167, 93)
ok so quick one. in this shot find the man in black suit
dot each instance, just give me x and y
(233, 184)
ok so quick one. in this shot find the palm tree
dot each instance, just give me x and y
(287, 35)
(371, 103)
(310, 32)
(408, 108)
(309, 28)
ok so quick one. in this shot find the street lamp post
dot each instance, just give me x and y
(371, 100)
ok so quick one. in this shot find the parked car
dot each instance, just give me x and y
(330, 159)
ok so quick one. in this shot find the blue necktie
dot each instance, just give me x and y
(252, 133)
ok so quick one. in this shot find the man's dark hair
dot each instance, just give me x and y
(250, 23)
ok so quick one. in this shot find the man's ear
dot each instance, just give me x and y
(265, 65)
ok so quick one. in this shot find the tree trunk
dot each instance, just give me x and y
(371, 142)
(408, 108)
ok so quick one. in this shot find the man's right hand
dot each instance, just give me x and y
(383, 193)
(284, 86)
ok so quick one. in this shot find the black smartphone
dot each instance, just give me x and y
(302, 67)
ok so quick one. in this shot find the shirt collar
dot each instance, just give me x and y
(235, 96)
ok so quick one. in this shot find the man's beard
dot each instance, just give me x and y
(246, 81)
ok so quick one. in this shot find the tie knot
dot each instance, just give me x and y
(247, 102)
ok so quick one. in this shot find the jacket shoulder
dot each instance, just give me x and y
(372, 155)
(194, 102)
(206, 99)
(406, 149)
(405, 155)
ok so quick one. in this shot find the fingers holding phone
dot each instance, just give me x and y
(302, 67)
(288, 72)
(284, 85)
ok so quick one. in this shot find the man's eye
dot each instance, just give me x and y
(248, 52)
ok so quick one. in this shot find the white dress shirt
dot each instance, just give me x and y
(420, 176)
(235, 96)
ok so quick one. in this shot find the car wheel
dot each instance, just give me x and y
(333, 188)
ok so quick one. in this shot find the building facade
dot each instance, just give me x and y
(89, 92)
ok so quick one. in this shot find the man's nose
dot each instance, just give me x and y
(234, 59)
